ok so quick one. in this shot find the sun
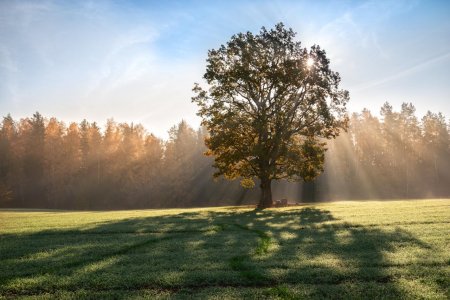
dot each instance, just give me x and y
(310, 62)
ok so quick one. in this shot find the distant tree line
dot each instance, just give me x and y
(45, 163)
(395, 156)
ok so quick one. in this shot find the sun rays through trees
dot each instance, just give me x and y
(48, 164)
(269, 106)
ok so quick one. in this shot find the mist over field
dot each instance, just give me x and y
(50, 164)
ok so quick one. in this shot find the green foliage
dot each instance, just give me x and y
(269, 106)
(247, 183)
(346, 250)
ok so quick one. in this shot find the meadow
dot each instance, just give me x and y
(339, 250)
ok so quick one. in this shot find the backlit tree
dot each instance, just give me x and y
(269, 107)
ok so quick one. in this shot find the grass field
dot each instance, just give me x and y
(395, 250)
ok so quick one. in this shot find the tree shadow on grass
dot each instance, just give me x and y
(294, 253)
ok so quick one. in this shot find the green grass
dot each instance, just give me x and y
(340, 250)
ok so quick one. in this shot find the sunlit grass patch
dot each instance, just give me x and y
(397, 249)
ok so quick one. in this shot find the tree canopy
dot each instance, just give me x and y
(269, 106)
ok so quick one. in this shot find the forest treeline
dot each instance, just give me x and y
(395, 156)
(45, 163)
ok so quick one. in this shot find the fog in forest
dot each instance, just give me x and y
(45, 163)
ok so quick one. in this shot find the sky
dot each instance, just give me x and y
(137, 61)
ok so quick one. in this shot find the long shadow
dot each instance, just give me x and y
(187, 252)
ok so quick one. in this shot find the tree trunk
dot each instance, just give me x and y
(266, 194)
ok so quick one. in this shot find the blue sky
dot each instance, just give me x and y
(137, 61)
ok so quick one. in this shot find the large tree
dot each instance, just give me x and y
(270, 105)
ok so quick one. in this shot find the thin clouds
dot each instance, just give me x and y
(6, 61)
(360, 25)
(76, 50)
(129, 57)
(23, 13)
(98, 61)
(403, 73)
